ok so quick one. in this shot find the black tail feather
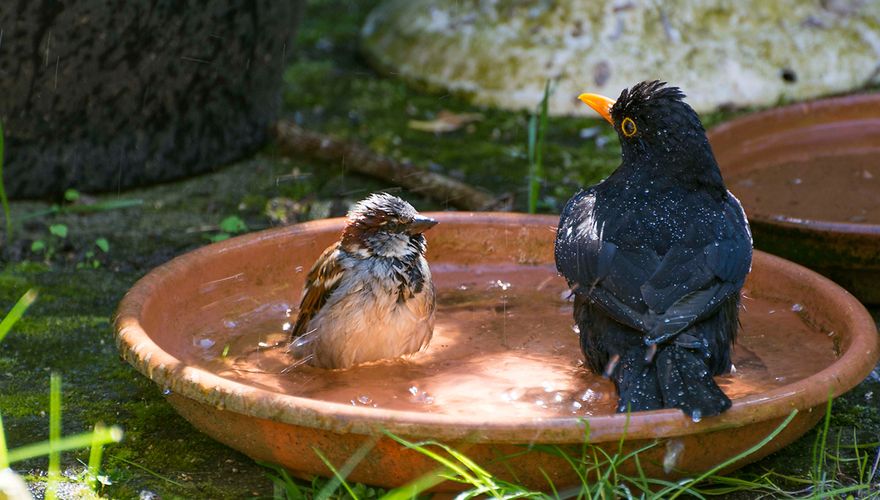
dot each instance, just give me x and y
(686, 382)
(637, 383)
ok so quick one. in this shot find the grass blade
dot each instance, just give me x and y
(283, 482)
(686, 486)
(347, 467)
(17, 311)
(338, 480)
(77, 441)
(95, 454)
(4, 453)
(819, 449)
(533, 181)
(148, 471)
(54, 434)
(537, 126)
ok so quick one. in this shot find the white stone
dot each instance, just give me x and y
(500, 53)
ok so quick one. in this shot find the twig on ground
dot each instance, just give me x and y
(294, 140)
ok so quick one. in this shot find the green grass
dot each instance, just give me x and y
(95, 440)
(537, 127)
(601, 478)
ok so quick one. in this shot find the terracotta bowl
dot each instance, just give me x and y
(809, 179)
(501, 376)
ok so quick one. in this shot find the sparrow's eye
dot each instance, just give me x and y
(628, 127)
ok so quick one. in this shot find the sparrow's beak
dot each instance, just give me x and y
(600, 103)
(420, 225)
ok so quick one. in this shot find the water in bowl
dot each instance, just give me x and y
(503, 345)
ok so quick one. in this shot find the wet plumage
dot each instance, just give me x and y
(656, 256)
(369, 296)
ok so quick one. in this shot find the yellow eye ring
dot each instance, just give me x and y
(628, 127)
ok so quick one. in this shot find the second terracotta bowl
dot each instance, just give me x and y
(808, 176)
(502, 380)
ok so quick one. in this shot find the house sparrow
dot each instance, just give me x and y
(656, 255)
(370, 295)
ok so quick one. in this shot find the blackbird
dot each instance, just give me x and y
(656, 256)
(369, 296)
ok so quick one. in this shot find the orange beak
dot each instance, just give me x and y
(600, 103)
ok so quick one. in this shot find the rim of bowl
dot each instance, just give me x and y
(165, 369)
(821, 108)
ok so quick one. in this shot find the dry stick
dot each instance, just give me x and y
(296, 141)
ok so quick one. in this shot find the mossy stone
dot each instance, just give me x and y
(746, 53)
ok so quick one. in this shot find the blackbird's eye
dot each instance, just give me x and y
(628, 127)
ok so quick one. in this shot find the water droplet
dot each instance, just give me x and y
(674, 447)
(697, 415)
(462, 287)
(228, 323)
(512, 394)
(364, 400)
(498, 284)
(299, 269)
(797, 307)
(420, 396)
(166, 391)
(588, 395)
(286, 326)
(205, 343)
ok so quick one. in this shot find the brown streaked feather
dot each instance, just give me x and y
(323, 279)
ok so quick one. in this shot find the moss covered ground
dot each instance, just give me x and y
(329, 88)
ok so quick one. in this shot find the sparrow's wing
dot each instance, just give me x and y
(323, 279)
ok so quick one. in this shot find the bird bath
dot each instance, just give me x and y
(503, 372)
(808, 178)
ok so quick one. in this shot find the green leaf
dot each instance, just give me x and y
(38, 246)
(219, 237)
(233, 224)
(71, 195)
(103, 244)
(59, 230)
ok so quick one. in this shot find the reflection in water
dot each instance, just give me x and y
(839, 188)
(503, 344)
